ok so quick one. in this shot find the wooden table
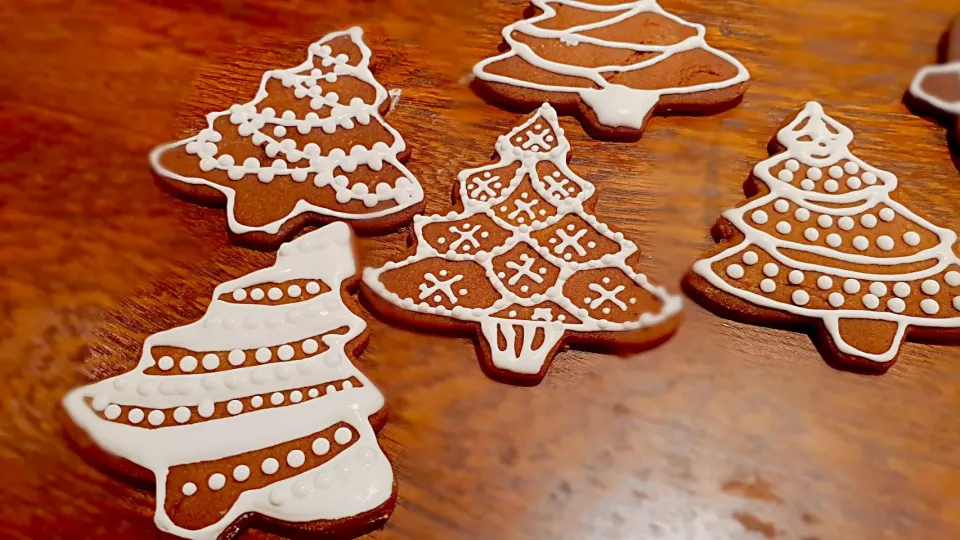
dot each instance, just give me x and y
(727, 431)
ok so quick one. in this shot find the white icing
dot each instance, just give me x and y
(434, 291)
(306, 80)
(324, 255)
(816, 140)
(615, 105)
(916, 87)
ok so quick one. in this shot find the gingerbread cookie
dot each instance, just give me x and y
(611, 63)
(255, 414)
(312, 147)
(823, 242)
(522, 263)
(936, 88)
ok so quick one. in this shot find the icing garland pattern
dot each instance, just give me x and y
(261, 396)
(525, 261)
(939, 85)
(303, 149)
(826, 241)
(609, 80)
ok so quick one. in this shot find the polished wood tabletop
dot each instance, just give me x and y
(726, 431)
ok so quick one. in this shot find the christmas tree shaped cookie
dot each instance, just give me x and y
(254, 414)
(823, 242)
(311, 147)
(522, 262)
(613, 64)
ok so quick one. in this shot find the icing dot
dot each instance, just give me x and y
(256, 402)
(878, 289)
(181, 415)
(801, 298)
(952, 278)
(310, 346)
(112, 412)
(825, 221)
(869, 221)
(831, 186)
(217, 481)
(189, 489)
(165, 363)
(781, 206)
(869, 178)
(930, 287)
(278, 496)
(760, 217)
(861, 243)
(846, 223)
(285, 352)
(156, 418)
(768, 286)
(294, 291)
(784, 228)
(237, 357)
(834, 240)
(313, 393)
(211, 362)
(802, 214)
(796, 277)
(771, 270)
(851, 286)
(785, 176)
(930, 306)
(206, 408)
(811, 234)
(241, 473)
(825, 283)
(808, 185)
(911, 238)
(135, 416)
(735, 271)
(296, 459)
(792, 165)
(888, 215)
(871, 302)
(270, 466)
(854, 183)
(750, 258)
(313, 287)
(276, 398)
(885, 243)
(836, 300)
(342, 436)
(320, 446)
(239, 295)
(275, 294)
(956, 303)
(234, 407)
(188, 364)
(814, 173)
(851, 167)
(263, 355)
(257, 294)
(902, 289)
(896, 305)
(836, 172)
(297, 396)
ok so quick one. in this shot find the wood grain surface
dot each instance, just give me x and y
(727, 431)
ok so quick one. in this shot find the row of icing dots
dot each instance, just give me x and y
(818, 227)
(273, 293)
(208, 410)
(833, 178)
(270, 466)
(921, 294)
(187, 361)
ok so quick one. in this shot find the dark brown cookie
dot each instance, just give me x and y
(611, 63)
(522, 263)
(935, 90)
(823, 243)
(311, 148)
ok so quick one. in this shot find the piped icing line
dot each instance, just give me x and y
(916, 86)
(471, 185)
(324, 255)
(829, 145)
(252, 122)
(615, 105)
